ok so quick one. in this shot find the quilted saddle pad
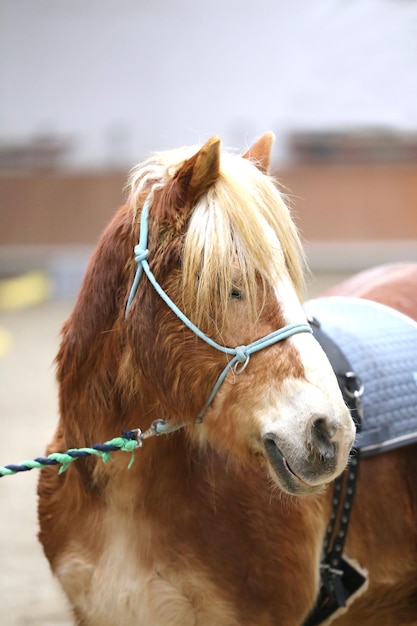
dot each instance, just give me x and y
(381, 346)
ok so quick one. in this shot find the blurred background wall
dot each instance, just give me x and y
(89, 87)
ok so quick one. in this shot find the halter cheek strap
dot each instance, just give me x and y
(241, 354)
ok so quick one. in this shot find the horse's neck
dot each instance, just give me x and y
(161, 469)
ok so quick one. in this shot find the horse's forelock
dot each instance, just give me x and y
(240, 231)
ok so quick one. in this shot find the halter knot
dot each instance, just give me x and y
(241, 359)
(241, 354)
(140, 253)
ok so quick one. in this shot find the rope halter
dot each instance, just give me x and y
(240, 355)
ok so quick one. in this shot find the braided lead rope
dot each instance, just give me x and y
(129, 442)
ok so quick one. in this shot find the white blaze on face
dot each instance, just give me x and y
(317, 368)
(299, 402)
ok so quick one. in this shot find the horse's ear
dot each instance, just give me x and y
(199, 173)
(260, 152)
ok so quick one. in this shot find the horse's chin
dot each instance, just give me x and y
(284, 475)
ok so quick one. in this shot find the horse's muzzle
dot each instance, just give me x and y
(304, 471)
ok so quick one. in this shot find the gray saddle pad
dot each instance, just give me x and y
(381, 346)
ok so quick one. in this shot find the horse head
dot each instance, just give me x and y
(214, 338)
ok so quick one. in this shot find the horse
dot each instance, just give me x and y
(195, 338)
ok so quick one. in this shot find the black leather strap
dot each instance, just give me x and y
(339, 579)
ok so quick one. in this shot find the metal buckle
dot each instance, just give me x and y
(360, 387)
(355, 397)
(238, 367)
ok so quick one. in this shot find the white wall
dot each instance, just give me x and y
(124, 77)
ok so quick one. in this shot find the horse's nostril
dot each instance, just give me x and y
(323, 431)
(325, 427)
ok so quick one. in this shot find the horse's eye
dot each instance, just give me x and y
(236, 294)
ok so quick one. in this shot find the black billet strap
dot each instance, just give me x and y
(339, 579)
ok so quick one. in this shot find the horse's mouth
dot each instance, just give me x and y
(287, 478)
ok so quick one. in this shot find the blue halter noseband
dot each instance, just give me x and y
(240, 354)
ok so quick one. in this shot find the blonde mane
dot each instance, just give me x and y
(240, 234)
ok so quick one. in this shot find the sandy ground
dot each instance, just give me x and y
(29, 596)
(28, 413)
